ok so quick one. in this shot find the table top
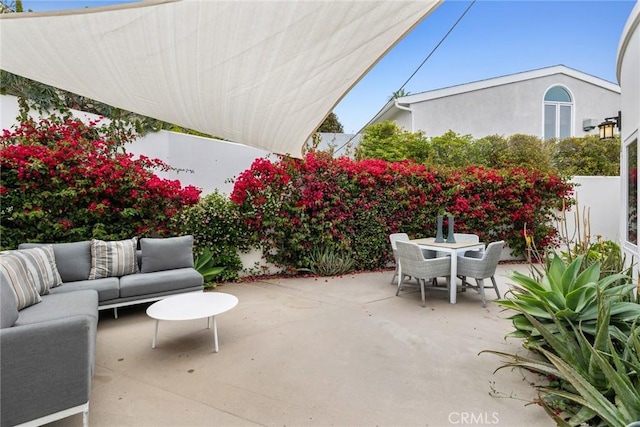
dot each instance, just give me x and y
(196, 305)
(431, 241)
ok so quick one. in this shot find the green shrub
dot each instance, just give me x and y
(588, 156)
(216, 226)
(387, 141)
(568, 157)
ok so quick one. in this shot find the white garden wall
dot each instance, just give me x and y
(212, 162)
(598, 196)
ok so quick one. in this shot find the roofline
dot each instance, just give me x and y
(510, 78)
(388, 106)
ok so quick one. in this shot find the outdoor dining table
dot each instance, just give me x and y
(453, 249)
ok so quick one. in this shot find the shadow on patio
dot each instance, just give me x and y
(337, 351)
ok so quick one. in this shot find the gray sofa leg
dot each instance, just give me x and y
(115, 312)
(85, 418)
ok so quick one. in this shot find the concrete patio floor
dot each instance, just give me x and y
(314, 352)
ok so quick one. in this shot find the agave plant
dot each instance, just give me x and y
(601, 378)
(205, 266)
(568, 295)
(326, 261)
(607, 252)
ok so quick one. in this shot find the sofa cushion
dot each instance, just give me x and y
(107, 288)
(113, 259)
(166, 253)
(72, 259)
(41, 263)
(59, 306)
(15, 272)
(8, 303)
(160, 281)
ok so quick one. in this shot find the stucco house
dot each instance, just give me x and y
(549, 102)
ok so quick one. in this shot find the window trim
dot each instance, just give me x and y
(557, 104)
(624, 188)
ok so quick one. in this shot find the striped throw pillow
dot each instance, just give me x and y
(41, 264)
(109, 259)
(14, 271)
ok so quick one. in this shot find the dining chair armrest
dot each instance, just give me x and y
(474, 254)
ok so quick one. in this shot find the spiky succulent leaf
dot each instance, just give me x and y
(568, 280)
(589, 396)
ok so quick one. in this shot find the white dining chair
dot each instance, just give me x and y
(467, 238)
(404, 237)
(393, 238)
(480, 266)
(411, 262)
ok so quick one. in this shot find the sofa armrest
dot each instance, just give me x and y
(45, 367)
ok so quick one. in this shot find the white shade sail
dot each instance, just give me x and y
(261, 73)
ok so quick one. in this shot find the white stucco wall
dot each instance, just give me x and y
(598, 196)
(628, 69)
(512, 108)
(213, 162)
(629, 76)
(403, 118)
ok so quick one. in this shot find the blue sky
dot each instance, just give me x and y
(495, 38)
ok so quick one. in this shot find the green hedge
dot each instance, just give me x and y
(215, 224)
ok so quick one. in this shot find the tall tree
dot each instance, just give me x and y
(399, 94)
(11, 6)
(331, 124)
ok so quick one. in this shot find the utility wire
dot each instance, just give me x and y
(414, 73)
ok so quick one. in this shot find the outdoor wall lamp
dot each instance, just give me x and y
(606, 127)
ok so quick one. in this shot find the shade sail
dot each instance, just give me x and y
(261, 73)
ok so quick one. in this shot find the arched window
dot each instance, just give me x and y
(558, 113)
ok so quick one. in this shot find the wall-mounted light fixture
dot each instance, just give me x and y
(606, 127)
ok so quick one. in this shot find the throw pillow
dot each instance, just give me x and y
(166, 253)
(109, 259)
(8, 303)
(72, 259)
(41, 263)
(14, 271)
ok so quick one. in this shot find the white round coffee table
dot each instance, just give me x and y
(192, 306)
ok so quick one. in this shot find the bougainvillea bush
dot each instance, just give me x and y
(63, 180)
(293, 206)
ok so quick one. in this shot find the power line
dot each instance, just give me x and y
(413, 74)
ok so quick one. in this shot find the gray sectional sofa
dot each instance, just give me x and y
(165, 267)
(48, 327)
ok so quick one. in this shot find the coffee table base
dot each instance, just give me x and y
(209, 320)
